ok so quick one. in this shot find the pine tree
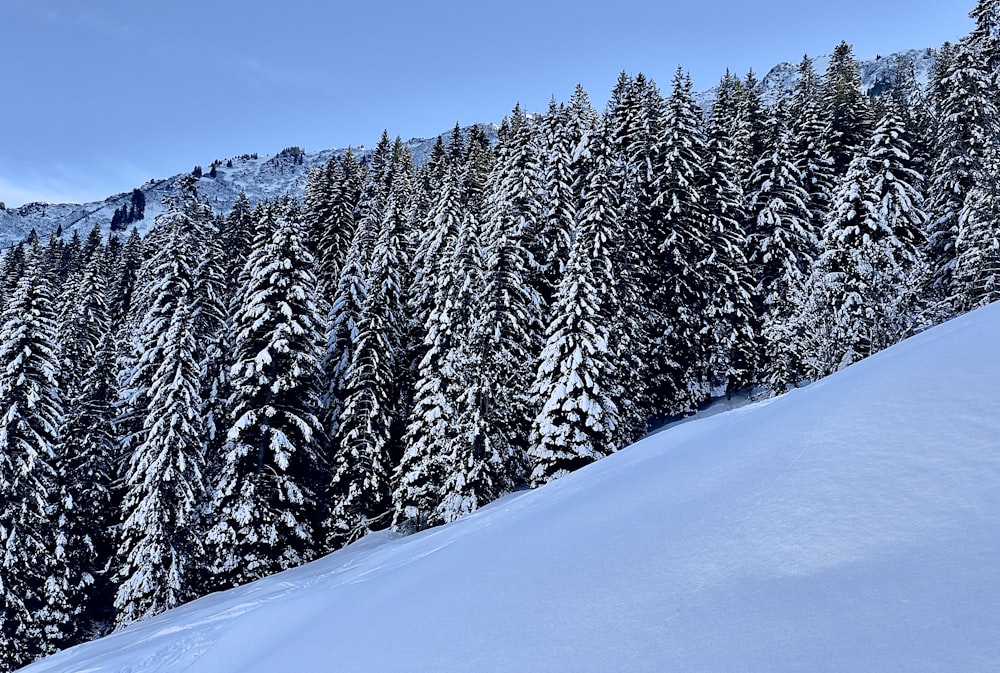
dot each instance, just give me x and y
(378, 182)
(160, 552)
(67, 257)
(976, 77)
(428, 179)
(88, 468)
(332, 198)
(682, 248)
(748, 131)
(211, 307)
(632, 124)
(36, 618)
(486, 457)
(237, 232)
(448, 281)
(124, 276)
(320, 194)
(862, 290)
(580, 388)
(985, 36)
(342, 326)
(977, 263)
(159, 541)
(912, 101)
(833, 319)
(784, 246)
(89, 450)
(809, 143)
(632, 128)
(965, 130)
(138, 205)
(366, 388)
(11, 271)
(845, 108)
(83, 321)
(564, 168)
(436, 231)
(558, 200)
(899, 192)
(582, 121)
(264, 511)
(729, 312)
(348, 297)
(366, 426)
(477, 162)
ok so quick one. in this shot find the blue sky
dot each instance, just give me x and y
(100, 96)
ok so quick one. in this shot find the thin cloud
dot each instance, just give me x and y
(109, 27)
(257, 71)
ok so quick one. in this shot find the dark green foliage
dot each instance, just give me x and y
(449, 280)
(331, 206)
(159, 555)
(35, 592)
(371, 387)
(861, 295)
(89, 449)
(682, 246)
(131, 212)
(264, 512)
(844, 108)
(583, 391)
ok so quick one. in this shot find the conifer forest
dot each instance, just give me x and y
(238, 393)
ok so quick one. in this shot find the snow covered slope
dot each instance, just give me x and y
(260, 177)
(878, 74)
(853, 525)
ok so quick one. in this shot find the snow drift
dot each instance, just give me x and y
(853, 525)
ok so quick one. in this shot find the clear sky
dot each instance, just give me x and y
(98, 97)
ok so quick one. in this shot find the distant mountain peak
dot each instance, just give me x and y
(878, 74)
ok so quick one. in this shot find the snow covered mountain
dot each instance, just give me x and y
(853, 525)
(877, 75)
(271, 176)
(260, 177)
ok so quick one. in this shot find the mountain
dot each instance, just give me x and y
(852, 525)
(270, 176)
(260, 177)
(877, 75)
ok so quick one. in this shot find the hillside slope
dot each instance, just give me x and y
(260, 178)
(853, 525)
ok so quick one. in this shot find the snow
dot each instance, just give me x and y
(264, 178)
(852, 525)
(876, 74)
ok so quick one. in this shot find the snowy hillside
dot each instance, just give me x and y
(262, 177)
(853, 525)
(877, 75)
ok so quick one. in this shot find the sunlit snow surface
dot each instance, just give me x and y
(850, 526)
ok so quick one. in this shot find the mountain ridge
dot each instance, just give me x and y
(270, 176)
